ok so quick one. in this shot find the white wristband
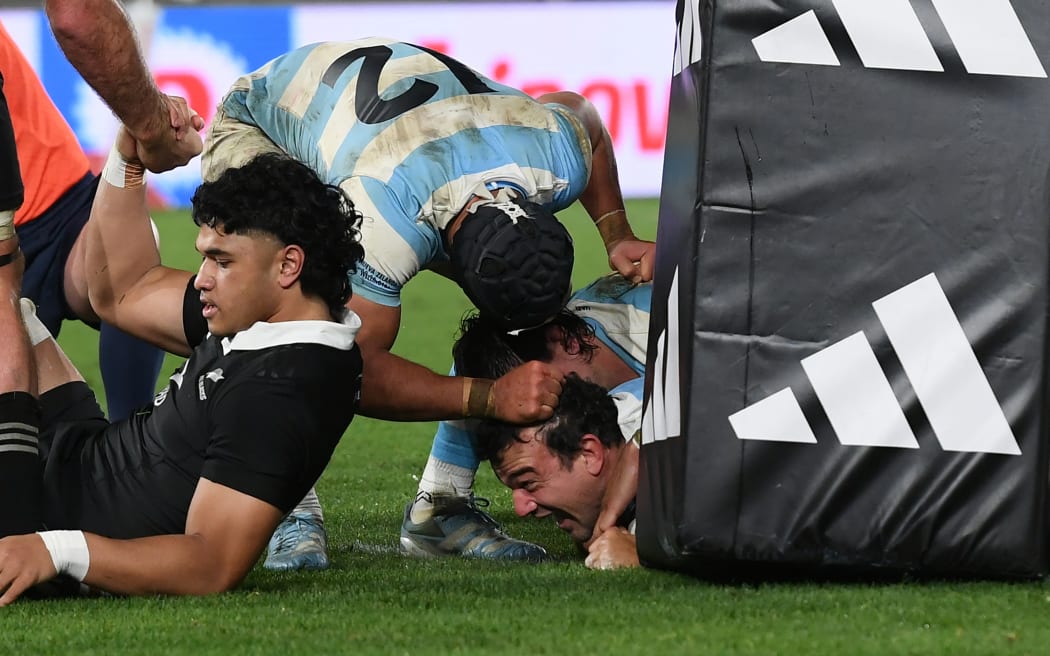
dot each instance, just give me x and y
(121, 173)
(69, 552)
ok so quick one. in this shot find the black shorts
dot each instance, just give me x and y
(70, 418)
(46, 242)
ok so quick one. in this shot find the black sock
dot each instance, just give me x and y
(20, 467)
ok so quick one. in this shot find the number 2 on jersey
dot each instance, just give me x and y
(370, 107)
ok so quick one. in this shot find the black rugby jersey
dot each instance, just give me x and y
(260, 412)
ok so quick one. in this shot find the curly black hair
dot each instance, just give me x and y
(280, 196)
(484, 349)
(583, 408)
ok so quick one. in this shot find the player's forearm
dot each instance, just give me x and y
(396, 389)
(163, 564)
(602, 197)
(99, 40)
(120, 249)
(16, 371)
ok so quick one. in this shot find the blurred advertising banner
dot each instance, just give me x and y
(616, 54)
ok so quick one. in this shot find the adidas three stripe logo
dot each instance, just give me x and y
(887, 34)
(859, 402)
(852, 389)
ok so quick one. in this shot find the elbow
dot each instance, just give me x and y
(214, 571)
(229, 578)
(65, 19)
(216, 582)
(226, 574)
(221, 585)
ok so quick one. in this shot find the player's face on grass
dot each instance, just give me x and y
(237, 279)
(545, 487)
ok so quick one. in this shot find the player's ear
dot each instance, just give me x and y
(291, 262)
(592, 452)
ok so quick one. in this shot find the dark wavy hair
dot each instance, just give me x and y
(583, 408)
(280, 196)
(483, 349)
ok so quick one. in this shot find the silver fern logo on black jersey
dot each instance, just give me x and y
(987, 36)
(176, 380)
(213, 376)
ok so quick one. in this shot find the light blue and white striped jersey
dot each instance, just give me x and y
(411, 135)
(618, 311)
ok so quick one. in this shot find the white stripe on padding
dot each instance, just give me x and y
(776, 418)
(989, 37)
(888, 34)
(800, 40)
(5, 448)
(943, 369)
(856, 396)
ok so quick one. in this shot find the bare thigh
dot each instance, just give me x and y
(53, 368)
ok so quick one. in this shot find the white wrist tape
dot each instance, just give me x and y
(69, 552)
(121, 173)
(38, 332)
(7, 224)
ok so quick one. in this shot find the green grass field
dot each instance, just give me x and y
(373, 601)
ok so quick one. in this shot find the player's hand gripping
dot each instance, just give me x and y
(633, 258)
(173, 140)
(615, 548)
(527, 393)
(24, 562)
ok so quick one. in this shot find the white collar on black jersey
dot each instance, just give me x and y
(263, 334)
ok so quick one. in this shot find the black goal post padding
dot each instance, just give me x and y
(848, 347)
